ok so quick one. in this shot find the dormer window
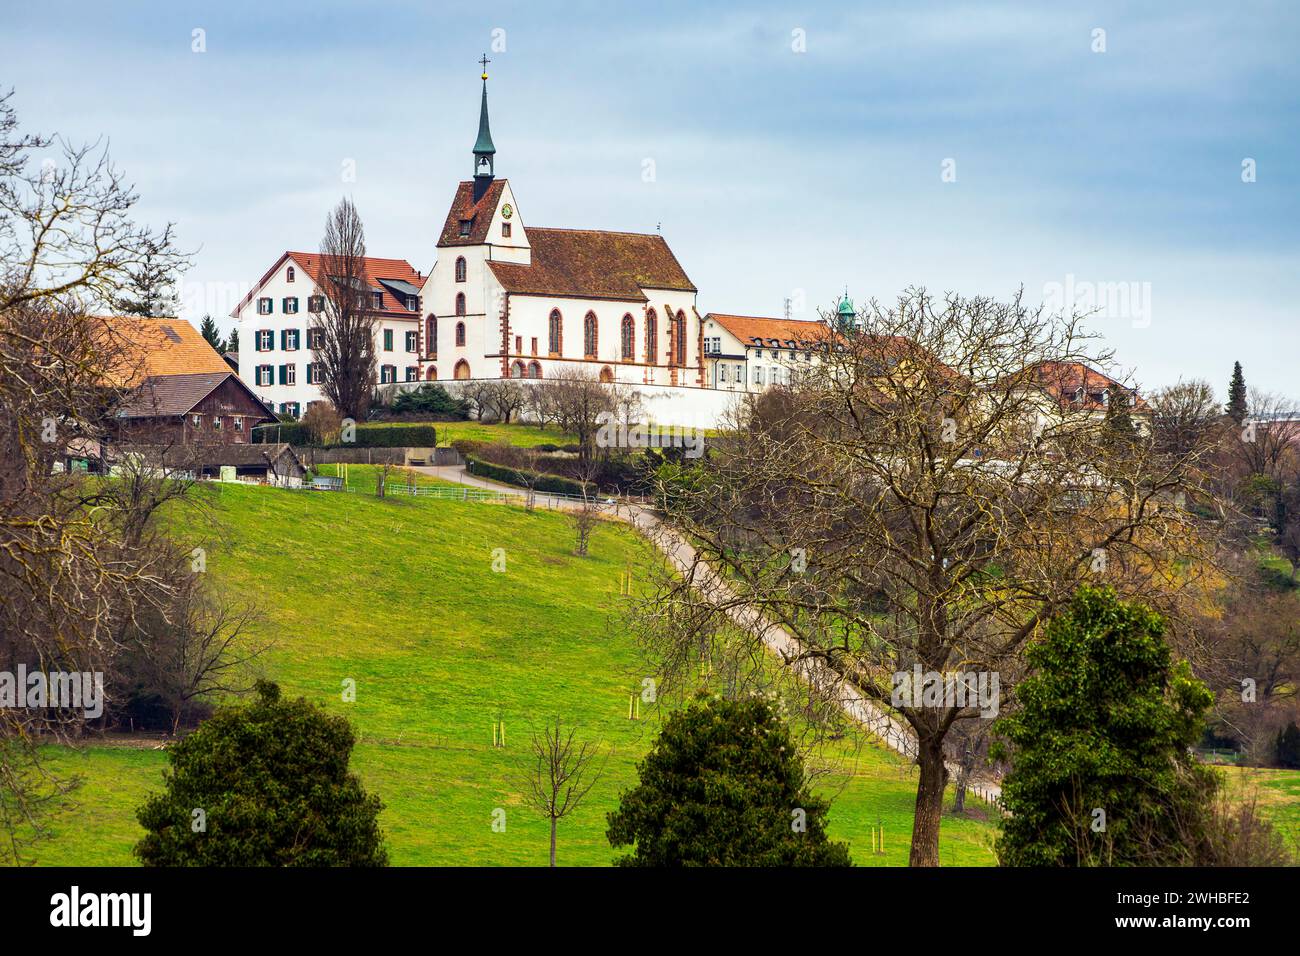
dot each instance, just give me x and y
(1078, 395)
(465, 225)
(412, 303)
(377, 300)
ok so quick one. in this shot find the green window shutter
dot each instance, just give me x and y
(284, 373)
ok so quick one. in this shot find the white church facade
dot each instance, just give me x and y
(504, 299)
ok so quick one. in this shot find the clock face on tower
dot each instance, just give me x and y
(506, 211)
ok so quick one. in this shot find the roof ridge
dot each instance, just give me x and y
(610, 232)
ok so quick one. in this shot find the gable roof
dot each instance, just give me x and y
(594, 264)
(142, 348)
(375, 269)
(169, 396)
(749, 327)
(1063, 380)
(479, 213)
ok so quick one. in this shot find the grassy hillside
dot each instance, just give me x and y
(401, 597)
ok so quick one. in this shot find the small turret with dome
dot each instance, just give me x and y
(846, 317)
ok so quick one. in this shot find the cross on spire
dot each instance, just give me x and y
(484, 61)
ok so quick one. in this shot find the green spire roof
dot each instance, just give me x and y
(846, 307)
(483, 145)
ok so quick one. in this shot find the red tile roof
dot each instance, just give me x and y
(479, 213)
(748, 327)
(151, 347)
(594, 264)
(1063, 380)
(375, 269)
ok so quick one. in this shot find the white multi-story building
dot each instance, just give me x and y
(278, 318)
(748, 353)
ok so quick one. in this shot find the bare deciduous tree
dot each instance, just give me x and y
(76, 565)
(560, 774)
(346, 344)
(917, 501)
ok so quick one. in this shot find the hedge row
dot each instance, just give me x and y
(518, 477)
(367, 436)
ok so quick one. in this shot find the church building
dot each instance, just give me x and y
(509, 299)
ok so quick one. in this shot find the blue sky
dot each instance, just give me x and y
(777, 173)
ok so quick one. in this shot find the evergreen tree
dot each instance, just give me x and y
(432, 399)
(150, 288)
(1101, 767)
(232, 344)
(724, 786)
(1236, 407)
(263, 785)
(208, 329)
(1118, 421)
(1288, 747)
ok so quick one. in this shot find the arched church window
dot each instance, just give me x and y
(651, 338)
(431, 335)
(679, 338)
(460, 334)
(629, 338)
(460, 268)
(556, 331)
(589, 335)
(460, 303)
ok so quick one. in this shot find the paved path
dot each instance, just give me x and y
(681, 553)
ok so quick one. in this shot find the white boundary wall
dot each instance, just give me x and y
(660, 404)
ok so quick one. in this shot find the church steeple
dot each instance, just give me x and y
(484, 151)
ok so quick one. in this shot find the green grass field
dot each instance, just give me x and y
(400, 596)
(1277, 793)
(364, 478)
(525, 436)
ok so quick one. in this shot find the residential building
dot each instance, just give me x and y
(182, 392)
(749, 353)
(279, 318)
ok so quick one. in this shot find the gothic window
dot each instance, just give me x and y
(629, 338)
(556, 333)
(460, 268)
(460, 334)
(589, 335)
(460, 303)
(679, 337)
(651, 338)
